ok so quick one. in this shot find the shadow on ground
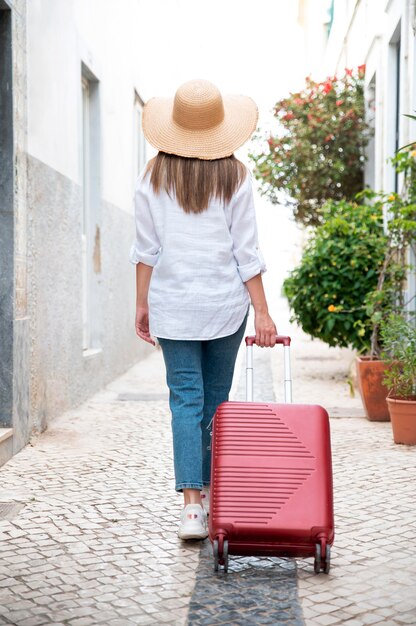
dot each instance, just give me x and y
(254, 591)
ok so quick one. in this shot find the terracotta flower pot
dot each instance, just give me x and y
(373, 392)
(403, 419)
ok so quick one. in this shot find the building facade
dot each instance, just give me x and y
(70, 149)
(382, 35)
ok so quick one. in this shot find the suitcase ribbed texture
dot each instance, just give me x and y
(254, 495)
(256, 429)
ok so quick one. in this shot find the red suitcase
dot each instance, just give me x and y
(271, 477)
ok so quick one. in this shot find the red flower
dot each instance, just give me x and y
(327, 86)
(361, 69)
(329, 137)
(339, 102)
(298, 101)
(348, 71)
(289, 115)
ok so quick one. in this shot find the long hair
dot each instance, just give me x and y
(196, 181)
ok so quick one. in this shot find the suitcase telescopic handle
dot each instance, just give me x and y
(280, 339)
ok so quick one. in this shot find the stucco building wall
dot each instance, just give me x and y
(54, 45)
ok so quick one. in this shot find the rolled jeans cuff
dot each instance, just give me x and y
(182, 486)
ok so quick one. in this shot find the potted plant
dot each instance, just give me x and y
(389, 295)
(370, 367)
(398, 334)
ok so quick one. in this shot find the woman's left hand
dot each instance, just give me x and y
(142, 324)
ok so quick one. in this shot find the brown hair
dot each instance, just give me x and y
(196, 181)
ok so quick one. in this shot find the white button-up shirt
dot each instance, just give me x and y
(200, 262)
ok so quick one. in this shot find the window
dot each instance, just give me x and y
(90, 218)
(329, 17)
(393, 113)
(396, 87)
(86, 139)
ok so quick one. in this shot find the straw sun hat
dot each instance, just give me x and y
(199, 122)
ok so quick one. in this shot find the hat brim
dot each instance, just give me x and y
(164, 134)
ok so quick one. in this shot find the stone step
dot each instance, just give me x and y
(6, 444)
(5, 433)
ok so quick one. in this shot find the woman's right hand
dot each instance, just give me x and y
(264, 325)
(142, 324)
(265, 330)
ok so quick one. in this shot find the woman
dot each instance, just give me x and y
(197, 267)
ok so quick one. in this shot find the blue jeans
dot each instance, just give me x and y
(199, 375)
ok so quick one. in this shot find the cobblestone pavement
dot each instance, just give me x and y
(95, 541)
(88, 518)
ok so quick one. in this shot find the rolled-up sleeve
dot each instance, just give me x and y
(243, 230)
(146, 246)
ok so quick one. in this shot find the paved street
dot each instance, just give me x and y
(89, 514)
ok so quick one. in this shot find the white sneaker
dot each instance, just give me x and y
(205, 497)
(193, 524)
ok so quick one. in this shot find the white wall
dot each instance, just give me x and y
(106, 37)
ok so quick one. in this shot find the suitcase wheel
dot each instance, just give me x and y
(215, 552)
(319, 563)
(220, 559)
(327, 559)
(225, 556)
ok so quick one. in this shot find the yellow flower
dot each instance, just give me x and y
(391, 197)
(413, 153)
(331, 308)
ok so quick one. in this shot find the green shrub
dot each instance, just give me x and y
(339, 267)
